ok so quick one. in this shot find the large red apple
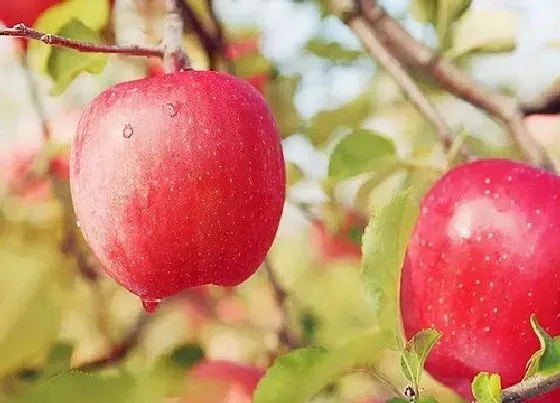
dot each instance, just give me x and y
(23, 11)
(222, 382)
(483, 257)
(178, 180)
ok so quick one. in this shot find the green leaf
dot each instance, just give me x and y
(332, 51)
(93, 14)
(415, 353)
(424, 10)
(187, 355)
(301, 374)
(546, 361)
(359, 152)
(58, 361)
(487, 388)
(252, 64)
(279, 93)
(29, 318)
(349, 115)
(485, 31)
(383, 248)
(293, 174)
(441, 13)
(64, 65)
(80, 387)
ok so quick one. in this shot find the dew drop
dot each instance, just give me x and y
(151, 305)
(509, 178)
(487, 181)
(128, 131)
(170, 109)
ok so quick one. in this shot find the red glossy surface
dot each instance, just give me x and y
(483, 257)
(23, 11)
(178, 180)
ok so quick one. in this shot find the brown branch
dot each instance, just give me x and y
(22, 31)
(381, 55)
(210, 43)
(285, 333)
(547, 103)
(530, 388)
(174, 59)
(35, 98)
(416, 55)
(122, 349)
(220, 37)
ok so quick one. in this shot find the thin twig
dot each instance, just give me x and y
(285, 333)
(220, 38)
(22, 31)
(530, 388)
(192, 23)
(35, 98)
(416, 55)
(121, 350)
(381, 55)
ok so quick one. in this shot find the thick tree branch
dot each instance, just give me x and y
(416, 55)
(22, 31)
(530, 388)
(379, 53)
(285, 333)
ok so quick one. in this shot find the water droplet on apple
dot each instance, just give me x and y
(128, 131)
(170, 109)
(151, 305)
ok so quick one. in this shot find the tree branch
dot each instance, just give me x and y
(530, 388)
(121, 350)
(379, 53)
(174, 59)
(416, 55)
(285, 334)
(22, 31)
(35, 98)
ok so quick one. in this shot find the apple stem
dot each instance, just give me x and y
(23, 31)
(174, 59)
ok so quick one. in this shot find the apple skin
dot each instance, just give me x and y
(177, 181)
(231, 382)
(23, 11)
(482, 258)
(338, 245)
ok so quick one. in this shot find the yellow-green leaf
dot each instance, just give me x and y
(64, 65)
(383, 248)
(485, 31)
(487, 388)
(359, 152)
(93, 14)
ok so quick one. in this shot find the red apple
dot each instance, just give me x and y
(344, 243)
(482, 258)
(222, 382)
(177, 181)
(23, 11)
